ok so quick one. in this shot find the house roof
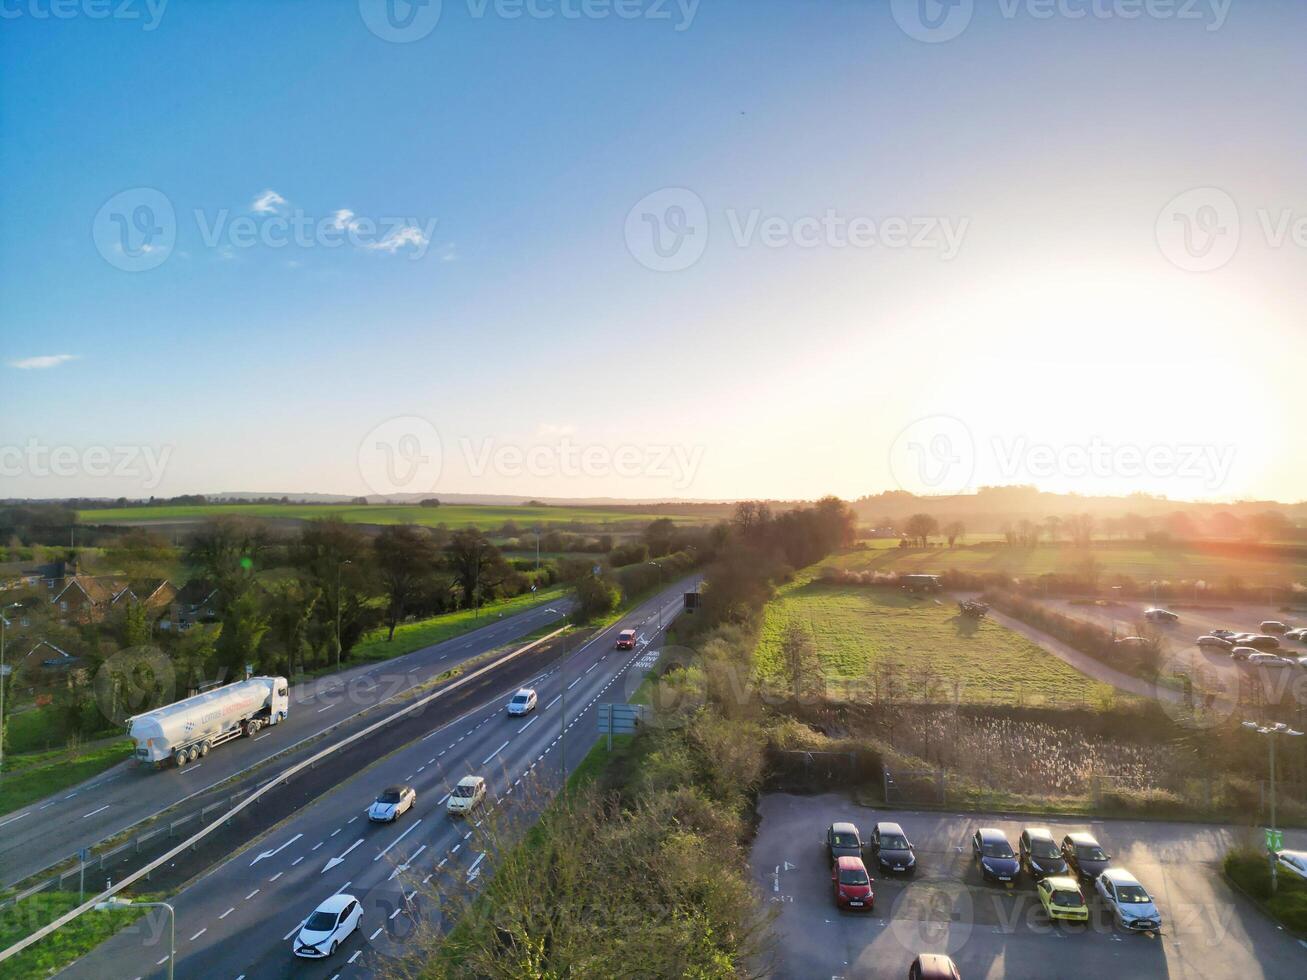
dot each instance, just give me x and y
(96, 588)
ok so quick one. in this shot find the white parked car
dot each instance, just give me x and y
(1220, 642)
(330, 925)
(524, 701)
(1299, 634)
(469, 794)
(393, 801)
(1274, 626)
(1131, 905)
(1160, 616)
(1260, 659)
(1243, 653)
(1292, 863)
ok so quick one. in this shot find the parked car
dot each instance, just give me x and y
(1263, 641)
(1273, 626)
(523, 702)
(994, 854)
(843, 840)
(1160, 616)
(852, 884)
(1132, 641)
(1270, 660)
(1292, 863)
(626, 640)
(1220, 642)
(1084, 856)
(1062, 898)
(1131, 905)
(469, 794)
(1243, 653)
(393, 801)
(331, 924)
(893, 850)
(1299, 634)
(1224, 634)
(934, 966)
(1038, 853)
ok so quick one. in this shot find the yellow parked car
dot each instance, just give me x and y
(1062, 899)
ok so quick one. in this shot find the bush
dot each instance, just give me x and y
(1249, 869)
(628, 554)
(1152, 802)
(596, 596)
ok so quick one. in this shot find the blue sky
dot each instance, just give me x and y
(524, 317)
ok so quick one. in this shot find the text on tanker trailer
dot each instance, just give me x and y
(187, 729)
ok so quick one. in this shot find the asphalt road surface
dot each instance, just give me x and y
(1208, 931)
(56, 828)
(238, 920)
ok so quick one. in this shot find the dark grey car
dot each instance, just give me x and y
(843, 840)
(1084, 855)
(893, 850)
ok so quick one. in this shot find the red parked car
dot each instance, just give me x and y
(626, 640)
(852, 885)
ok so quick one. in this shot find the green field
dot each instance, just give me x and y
(1140, 561)
(38, 775)
(856, 631)
(74, 940)
(452, 515)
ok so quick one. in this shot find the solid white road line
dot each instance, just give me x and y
(94, 812)
(398, 839)
(192, 767)
(495, 753)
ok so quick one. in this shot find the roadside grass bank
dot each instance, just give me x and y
(893, 646)
(75, 940)
(1247, 870)
(29, 778)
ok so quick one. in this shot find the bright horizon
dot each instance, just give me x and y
(882, 262)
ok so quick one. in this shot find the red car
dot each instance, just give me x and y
(852, 885)
(626, 640)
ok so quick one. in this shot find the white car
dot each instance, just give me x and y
(1220, 642)
(1260, 659)
(1292, 863)
(1131, 905)
(330, 925)
(524, 701)
(1274, 626)
(469, 794)
(393, 801)
(1160, 616)
(1132, 641)
(1243, 653)
(1299, 634)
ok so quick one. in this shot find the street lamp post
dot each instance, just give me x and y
(123, 903)
(338, 568)
(1278, 728)
(3, 623)
(659, 600)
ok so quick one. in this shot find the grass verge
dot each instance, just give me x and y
(1249, 871)
(64, 946)
(30, 778)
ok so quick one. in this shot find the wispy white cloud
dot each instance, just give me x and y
(449, 253)
(554, 429)
(397, 239)
(42, 361)
(344, 220)
(267, 203)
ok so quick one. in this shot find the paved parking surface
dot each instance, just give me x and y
(1208, 931)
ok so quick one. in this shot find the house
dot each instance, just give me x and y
(195, 602)
(91, 598)
(43, 656)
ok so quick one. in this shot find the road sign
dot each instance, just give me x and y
(620, 719)
(691, 601)
(1274, 839)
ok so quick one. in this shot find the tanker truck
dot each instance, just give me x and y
(185, 730)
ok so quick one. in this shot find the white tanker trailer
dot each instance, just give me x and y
(187, 729)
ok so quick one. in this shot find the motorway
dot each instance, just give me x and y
(238, 919)
(1208, 931)
(53, 829)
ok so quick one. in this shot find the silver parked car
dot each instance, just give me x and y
(1219, 642)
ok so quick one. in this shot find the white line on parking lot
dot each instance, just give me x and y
(495, 753)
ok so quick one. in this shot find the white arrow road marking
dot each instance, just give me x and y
(398, 839)
(404, 867)
(268, 854)
(472, 871)
(340, 860)
(495, 753)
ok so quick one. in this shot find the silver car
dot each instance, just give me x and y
(1220, 642)
(1132, 907)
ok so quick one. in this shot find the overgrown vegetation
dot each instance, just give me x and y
(1249, 869)
(65, 945)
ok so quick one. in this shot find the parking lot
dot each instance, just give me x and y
(993, 931)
